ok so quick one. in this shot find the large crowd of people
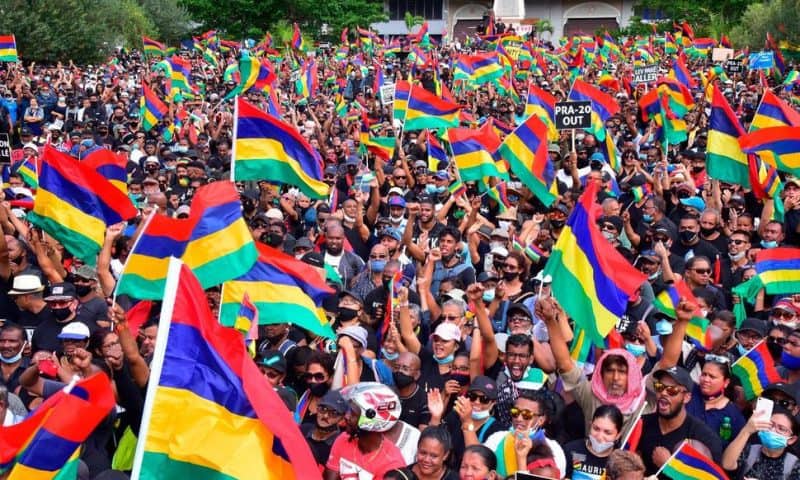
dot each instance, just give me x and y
(474, 378)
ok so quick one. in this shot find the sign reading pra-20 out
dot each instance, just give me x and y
(573, 115)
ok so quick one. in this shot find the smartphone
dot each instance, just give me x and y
(764, 408)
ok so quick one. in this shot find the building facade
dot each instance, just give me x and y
(459, 18)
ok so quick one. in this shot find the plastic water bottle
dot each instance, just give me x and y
(725, 430)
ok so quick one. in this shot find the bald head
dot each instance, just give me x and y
(411, 361)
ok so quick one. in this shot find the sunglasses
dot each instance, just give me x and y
(702, 271)
(778, 313)
(474, 397)
(718, 359)
(526, 414)
(786, 403)
(450, 318)
(777, 340)
(317, 377)
(672, 390)
(736, 242)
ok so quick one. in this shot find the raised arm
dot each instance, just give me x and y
(549, 311)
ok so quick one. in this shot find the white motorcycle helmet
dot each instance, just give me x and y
(380, 407)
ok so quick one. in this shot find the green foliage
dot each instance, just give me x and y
(240, 18)
(707, 18)
(544, 25)
(84, 31)
(171, 21)
(412, 20)
(779, 17)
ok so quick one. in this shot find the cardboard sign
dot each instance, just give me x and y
(646, 74)
(5, 148)
(761, 61)
(721, 54)
(571, 115)
(387, 93)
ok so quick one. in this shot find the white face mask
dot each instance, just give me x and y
(600, 447)
(394, 219)
(349, 219)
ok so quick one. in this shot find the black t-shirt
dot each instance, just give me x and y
(45, 337)
(375, 302)
(583, 464)
(321, 449)
(429, 371)
(700, 249)
(415, 408)
(692, 428)
(453, 423)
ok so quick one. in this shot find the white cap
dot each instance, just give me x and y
(448, 331)
(274, 214)
(31, 145)
(396, 191)
(74, 331)
(499, 251)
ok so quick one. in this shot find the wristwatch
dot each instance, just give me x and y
(469, 427)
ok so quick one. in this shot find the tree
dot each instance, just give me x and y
(779, 17)
(704, 17)
(170, 20)
(412, 20)
(543, 25)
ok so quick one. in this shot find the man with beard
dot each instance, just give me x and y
(450, 264)
(321, 434)
(347, 264)
(12, 343)
(670, 425)
(363, 451)
(422, 229)
(63, 303)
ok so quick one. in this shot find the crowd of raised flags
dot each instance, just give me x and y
(257, 188)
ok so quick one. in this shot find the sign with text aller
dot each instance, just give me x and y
(573, 115)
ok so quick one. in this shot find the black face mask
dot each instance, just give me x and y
(248, 207)
(707, 231)
(272, 239)
(83, 290)
(687, 236)
(557, 223)
(347, 314)
(402, 380)
(775, 350)
(386, 282)
(698, 169)
(61, 314)
(319, 389)
(510, 276)
(461, 378)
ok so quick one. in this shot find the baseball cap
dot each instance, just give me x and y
(334, 400)
(61, 291)
(85, 271)
(694, 202)
(273, 359)
(392, 232)
(448, 331)
(519, 307)
(397, 202)
(303, 242)
(357, 333)
(484, 385)
(754, 325)
(274, 214)
(678, 374)
(74, 331)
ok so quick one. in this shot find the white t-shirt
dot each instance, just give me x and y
(407, 443)
(332, 260)
(558, 454)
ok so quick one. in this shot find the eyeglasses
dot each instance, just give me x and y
(780, 429)
(672, 390)
(377, 257)
(329, 177)
(778, 313)
(474, 397)
(735, 241)
(450, 318)
(526, 414)
(327, 411)
(607, 227)
(785, 403)
(702, 271)
(661, 239)
(317, 377)
(519, 319)
(400, 177)
(718, 359)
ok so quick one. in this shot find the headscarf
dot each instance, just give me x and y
(632, 399)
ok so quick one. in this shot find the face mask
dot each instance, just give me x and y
(654, 275)
(741, 349)
(135, 197)
(445, 360)
(635, 349)
(698, 169)
(83, 290)
(770, 244)
(376, 266)
(790, 361)
(181, 149)
(402, 380)
(771, 440)
(557, 223)
(396, 220)
(791, 325)
(510, 276)
(736, 256)
(488, 295)
(318, 389)
(15, 358)
(482, 415)
(663, 327)
(610, 236)
(461, 378)
(600, 447)
(349, 219)
(389, 355)
(687, 236)
(493, 245)
(707, 231)
(647, 218)
(274, 239)
(347, 314)
(61, 314)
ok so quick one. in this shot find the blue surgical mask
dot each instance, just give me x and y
(389, 355)
(488, 295)
(15, 358)
(663, 327)
(790, 361)
(741, 349)
(770, 244)
(445, 360)
(377, 266)
(482, 415)
(771, 440)
(181, 148)
(635, 349)
(647, 218)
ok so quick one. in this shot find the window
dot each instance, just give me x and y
(427, 9)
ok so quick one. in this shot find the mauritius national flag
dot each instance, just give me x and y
(667, 302)
(778, 146)
(8, 49)
(152, 47)
(725, 158)
(253, 73)
(153, 108)
(755, 370)
(267, 148)
(402, 91)
(478, 69)
(426, 110)
(75, 204)
(689, 464)
(779, 270)
(603, 104)
(473, 152)
(525, 150)
(774, 112)
(591, 280)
